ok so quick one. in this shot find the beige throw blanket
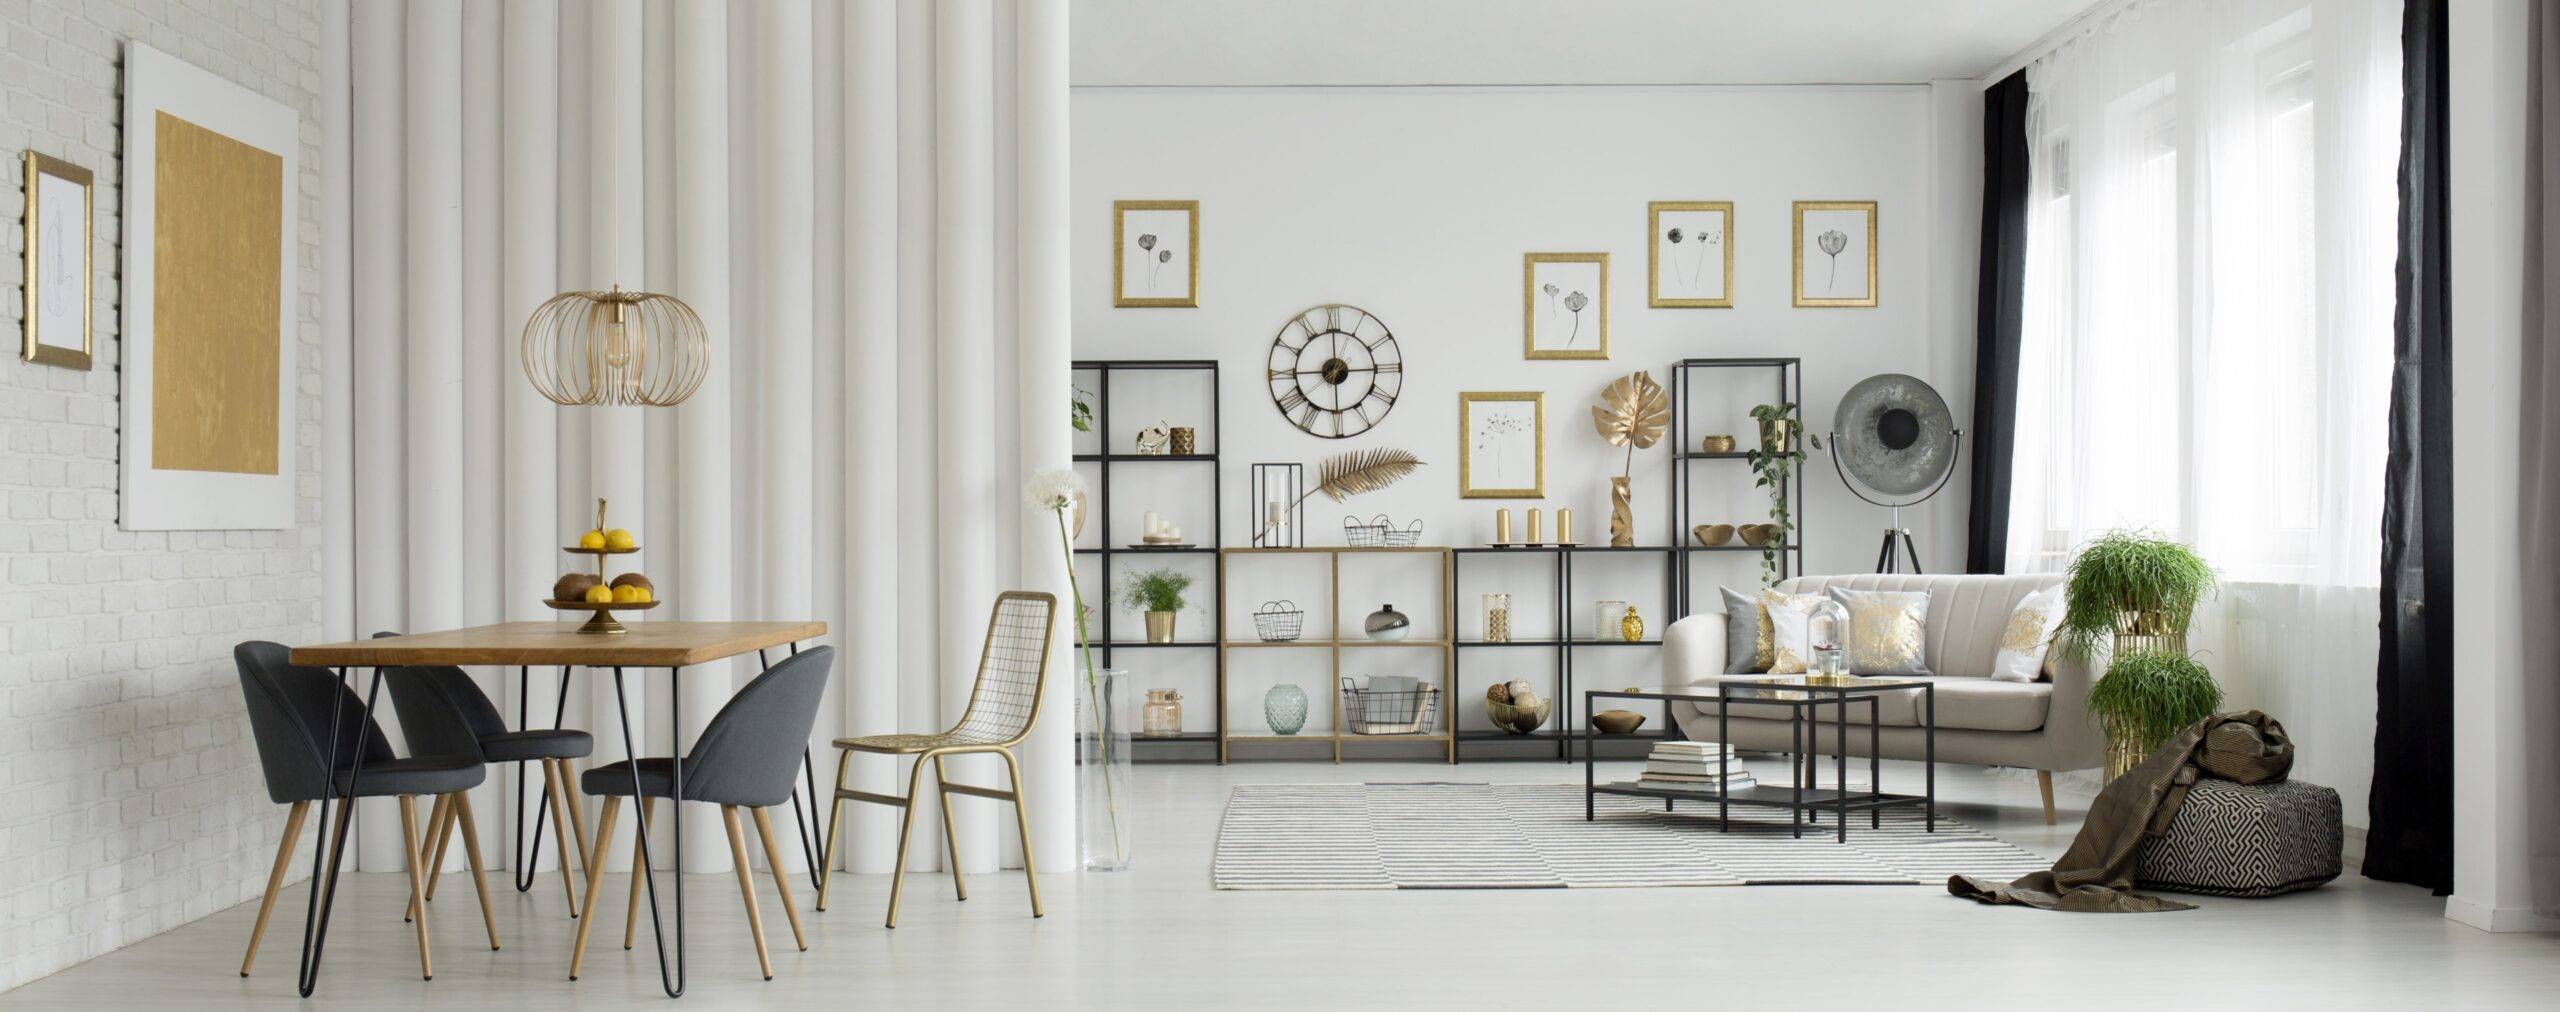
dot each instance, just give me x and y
(2096, 874)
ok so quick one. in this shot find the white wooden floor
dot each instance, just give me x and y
(1158, 936)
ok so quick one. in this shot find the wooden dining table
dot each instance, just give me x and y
(524, 646)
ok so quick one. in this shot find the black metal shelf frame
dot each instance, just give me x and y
(1790, 389)
(1102, 641)
(1563, 643)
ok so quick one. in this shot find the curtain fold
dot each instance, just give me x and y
(1997, 317)
(838, 205)
(2537, 818)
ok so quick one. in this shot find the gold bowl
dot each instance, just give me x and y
(1617, 721)
(1757, 535)
(1716, 444)
(1713, 535)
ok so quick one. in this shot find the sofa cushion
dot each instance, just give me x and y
(1970, 704)
(1967, 614)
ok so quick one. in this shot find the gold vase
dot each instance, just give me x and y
(1160, 626)
(1631, 626)
(1776, 435)
(1622, 514)
(2124, 751)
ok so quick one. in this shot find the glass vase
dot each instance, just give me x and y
(1106, 714)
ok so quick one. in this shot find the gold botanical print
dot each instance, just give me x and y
(1885, 634)
(2025, 633)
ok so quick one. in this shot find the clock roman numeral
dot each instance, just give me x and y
(1292, 401)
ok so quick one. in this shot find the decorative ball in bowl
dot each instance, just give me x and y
(1617, 721)
(1713, 535)
(1518, 719)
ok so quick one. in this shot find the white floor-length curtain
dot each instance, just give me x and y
(866, 204)
(2207, 343)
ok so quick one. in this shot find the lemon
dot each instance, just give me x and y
(591, 540)
(641, 595)
(626, 595)
(618, 540)
(599, 594)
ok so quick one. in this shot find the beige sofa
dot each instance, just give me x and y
(2042, 725)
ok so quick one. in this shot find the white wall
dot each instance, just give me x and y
(1417, 204)
(130, 799)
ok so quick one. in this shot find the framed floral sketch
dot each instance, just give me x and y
(1155, 254)
(61, 203)
(1565, 305)
(1691, 266)
(1502, 444)
(1835, 252)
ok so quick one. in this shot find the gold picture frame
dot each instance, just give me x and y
(1570, 275)
(1659, 241)
(1500, 444)
(1831, 292)
(1151, 245)
(51, 292)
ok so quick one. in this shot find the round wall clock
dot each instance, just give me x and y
(1335, 371)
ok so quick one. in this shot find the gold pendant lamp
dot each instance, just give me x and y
(615, 348)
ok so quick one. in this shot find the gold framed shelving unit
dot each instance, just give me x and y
(1334, 647)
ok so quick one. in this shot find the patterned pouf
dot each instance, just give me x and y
(2246, 840)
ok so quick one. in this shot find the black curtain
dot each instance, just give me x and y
(2000, 306)
(2412, 802)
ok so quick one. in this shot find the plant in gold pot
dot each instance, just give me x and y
(1158, 592)
(2133, 589)
(2147, 696)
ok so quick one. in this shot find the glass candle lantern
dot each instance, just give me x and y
(1826, 632)
(1497, 618)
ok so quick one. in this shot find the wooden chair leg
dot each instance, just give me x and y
(906, 828)
(556, 798)
(275, 879)
(577, 812)
(950, 832)
(435, 820)
(417, 883)
(747, 887)
(639, 871)
(440, 833)
(781, 878)
(2044, 784)
(835, 826)
(471, 853)
(1022, 825)
(595, 877)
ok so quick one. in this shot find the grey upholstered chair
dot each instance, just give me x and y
(443, 712)
(745, 758)
(1013, 665)
(291, 710)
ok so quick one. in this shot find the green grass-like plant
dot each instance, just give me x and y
(2126, 571)
(1154, 590)
(2153, 694)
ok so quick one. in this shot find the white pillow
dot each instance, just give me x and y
(1789, 614)
(2028, 635)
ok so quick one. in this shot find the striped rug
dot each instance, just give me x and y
(1532, 836)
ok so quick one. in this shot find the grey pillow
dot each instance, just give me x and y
(1888, 630)
(1746, 633)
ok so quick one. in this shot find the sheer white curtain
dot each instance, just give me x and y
(2208, 312)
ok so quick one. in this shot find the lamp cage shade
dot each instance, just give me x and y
(615, 348)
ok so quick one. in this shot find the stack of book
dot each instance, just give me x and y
(1694, 766)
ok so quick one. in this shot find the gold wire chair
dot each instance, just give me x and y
(1013, 666)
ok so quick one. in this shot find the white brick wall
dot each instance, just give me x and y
(130, 799)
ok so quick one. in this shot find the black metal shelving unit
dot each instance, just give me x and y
(1789, 387)
(1108, 553)
(1561, 725)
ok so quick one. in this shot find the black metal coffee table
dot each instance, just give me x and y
(1804, 696)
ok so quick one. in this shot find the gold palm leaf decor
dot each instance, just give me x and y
(1344, 475)
(1633, 412)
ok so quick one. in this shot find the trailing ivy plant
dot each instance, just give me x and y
(1154, 590)
(1771, 467)
(2128, 571)
(2149, 695)
(1080, 408)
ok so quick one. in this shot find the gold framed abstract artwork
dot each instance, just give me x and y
(1564, 305)
(1835, 253)
(1691, 266)
(1155, 254)
(210, 265)
(61, 205)
(1502, 444)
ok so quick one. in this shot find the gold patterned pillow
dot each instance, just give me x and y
(1888, 631)
(1789, 614)
(2028, 635)
(1747, 637)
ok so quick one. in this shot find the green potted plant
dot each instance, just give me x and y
(1158, 592)
(1771, 465)
(2134, 589)
(2145, 697)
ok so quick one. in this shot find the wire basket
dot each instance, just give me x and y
(1379, 532)
(1366, 711)
(1278, 621)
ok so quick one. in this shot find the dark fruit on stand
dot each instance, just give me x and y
(635, 580)
(572, 587)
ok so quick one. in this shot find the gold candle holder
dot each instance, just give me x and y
(1535, 526)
